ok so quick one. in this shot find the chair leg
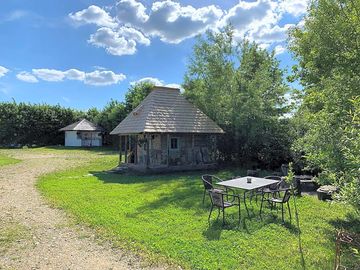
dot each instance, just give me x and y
(282, 212)
(239, 213)
(223, 210)
(262, 201)
(247, 210)
(212, 207)
(289, 209)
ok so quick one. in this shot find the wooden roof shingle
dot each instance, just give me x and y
(82, 125)
(165, 110)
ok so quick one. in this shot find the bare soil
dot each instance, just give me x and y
(47, 238)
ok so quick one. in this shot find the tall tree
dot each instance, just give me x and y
(241, 87)
(136, 93)
(328, 50)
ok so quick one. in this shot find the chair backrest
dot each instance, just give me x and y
(287, 196)
(217, 198)
(207, 181)
(274, 186)
(284, 169)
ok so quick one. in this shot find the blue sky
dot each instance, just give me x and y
(83, 53)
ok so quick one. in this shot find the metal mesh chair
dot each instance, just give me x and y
(284, 200)
(272, 189)
(218, 201)
(209, 181)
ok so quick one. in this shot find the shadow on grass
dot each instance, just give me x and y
(185, 190)
(348, 250)
(351, 223)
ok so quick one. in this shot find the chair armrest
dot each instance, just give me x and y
(234, 197)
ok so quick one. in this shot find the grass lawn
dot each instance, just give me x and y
(5, 160)
(162, 217)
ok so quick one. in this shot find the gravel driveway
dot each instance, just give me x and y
(47, 239)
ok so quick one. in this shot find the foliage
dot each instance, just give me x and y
(350, 180)
(242, 89)
(38, 124)
(136, 93)
(162, 216)
(111, 115)
(328, 51)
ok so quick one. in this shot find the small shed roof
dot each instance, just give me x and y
(82, 125)
(165, 110)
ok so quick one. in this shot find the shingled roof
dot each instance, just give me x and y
(82, 125)
(165, 110)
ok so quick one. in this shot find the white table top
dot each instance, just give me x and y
(241, 183)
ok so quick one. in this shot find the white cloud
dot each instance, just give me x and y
(156, 82)
(50, 75)
(133, 34)
(3, 71)
(112, 42)
(152, 80)
(74, 74)
(26, 77)
(274, 34)
(97, 77)
(294, 7)
(131, 12)
(132, 23)
(103, 77)
(174, 23)
(93, 15)
(174, 85)
(279, 49)
(244, 14)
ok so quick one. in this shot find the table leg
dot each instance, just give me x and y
(247, 210)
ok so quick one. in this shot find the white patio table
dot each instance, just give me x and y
(242, 183)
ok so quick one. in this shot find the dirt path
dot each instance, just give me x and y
(46, 238)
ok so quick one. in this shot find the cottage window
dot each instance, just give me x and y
(174, 143)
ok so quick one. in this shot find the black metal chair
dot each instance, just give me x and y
(272, 189)
(209, 181)
(217, 200)
(284, 200)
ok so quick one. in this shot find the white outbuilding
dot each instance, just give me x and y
(83, 133)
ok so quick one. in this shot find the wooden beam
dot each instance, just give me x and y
(192, 147)
(120, 150)
(136, 149)
(126, 148)
(147, 150)
(168, 148)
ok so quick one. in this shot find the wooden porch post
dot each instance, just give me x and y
(120, 150)
(168, 148)
(126, 148)
(192, 147)
(136, 148)
(147, 151)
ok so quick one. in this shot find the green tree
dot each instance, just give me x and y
(136, 93)
(38, 124)
(111, 115)
(328, 51)
(241, 87)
